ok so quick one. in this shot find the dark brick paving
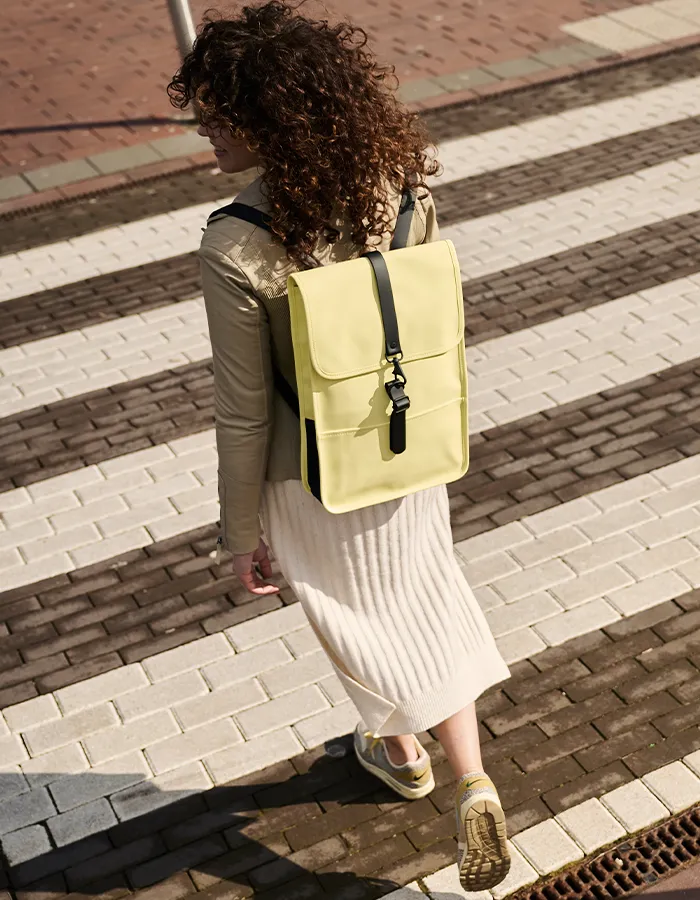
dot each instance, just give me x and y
(98, 618)
(572, 723)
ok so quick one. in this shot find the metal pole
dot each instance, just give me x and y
(182, 24)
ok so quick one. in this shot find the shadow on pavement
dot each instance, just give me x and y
(112, 123)
(280, 836)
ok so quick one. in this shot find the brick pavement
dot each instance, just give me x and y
(163, 734)
(93, 78)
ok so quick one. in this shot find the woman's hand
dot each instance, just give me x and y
(244, 567)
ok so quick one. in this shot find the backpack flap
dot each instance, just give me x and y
(342, 370)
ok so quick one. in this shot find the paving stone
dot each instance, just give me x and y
(547, 847)
(125, 158)
(252, 755)
(591, 825)
(247, 664)
(446, 881)
(180, 145)
(95, 691)
(675, 785)
(574, 622)
(634, 806)
(12, 750)
(12, 783)
(161, 791)
(521, 874)
(27, 809)
(70, 729)
(302, 642)
(465, 80)
(163, 695)
(327, 725)
(261, 631)
(649, 592)
(13, 186)
(193, 745)
(81, 822)
(139, 733)
(100, 781)
(420, 89)
(516, 68)
(191, 656)
(219, 704)
(57, 175)
(693, 762)
(50, 767)
(32, 713)
(287, 710)
(25, 844)
(410, 892)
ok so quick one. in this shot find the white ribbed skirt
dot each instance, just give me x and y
(388, 602)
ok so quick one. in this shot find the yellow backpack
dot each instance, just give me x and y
(380, 368)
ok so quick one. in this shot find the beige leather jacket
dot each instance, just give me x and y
(244, 279)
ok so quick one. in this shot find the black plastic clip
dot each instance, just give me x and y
(400, 403)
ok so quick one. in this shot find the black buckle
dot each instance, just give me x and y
(400, 403)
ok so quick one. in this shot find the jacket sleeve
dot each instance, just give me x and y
(243, 389)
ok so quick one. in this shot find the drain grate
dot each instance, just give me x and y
(628, 868)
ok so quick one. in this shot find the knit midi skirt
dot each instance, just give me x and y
(388, 602)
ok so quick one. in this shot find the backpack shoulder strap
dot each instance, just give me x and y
(248, 213)
(403, 222)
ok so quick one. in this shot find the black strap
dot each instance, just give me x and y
(248, 213)
(392, 344)
(403, 222)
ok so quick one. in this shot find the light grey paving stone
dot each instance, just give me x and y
(444, 885)
(60, 173)
(608, 33)
(12, 750)
(302, 642)
(101, 781)
(135, 736)
(70, 729)
(266, 628)
(463, 81)
(158, 792)
(521, 874)
(50, 767)
(12, 783)
(547, 846)
(4, 730)
(124, 158)
(284, 679)
(180, 145)
(563, 56)
(326, 725)
(333, 688)
(27, 809)
(163, 695)
(520, 645)
(247, 664)
(651, 591)
(574, 622)
(192, 746)
(219, 704)
(287, 710)
(693, 759)
(420, 89)
(81, 822)
(95, 691)
(32, 713)
(591, 586)
(591, 825)
(675, 785)
(191, 656)
(14, 186)
(253, 755)
(634, 806)
(25, 844)
(592, 51)
(516, 68)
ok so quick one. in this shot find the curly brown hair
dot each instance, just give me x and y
(320, 112)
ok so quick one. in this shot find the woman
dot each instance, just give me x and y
(305, 103)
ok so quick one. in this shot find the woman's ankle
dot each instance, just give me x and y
(400, 752)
